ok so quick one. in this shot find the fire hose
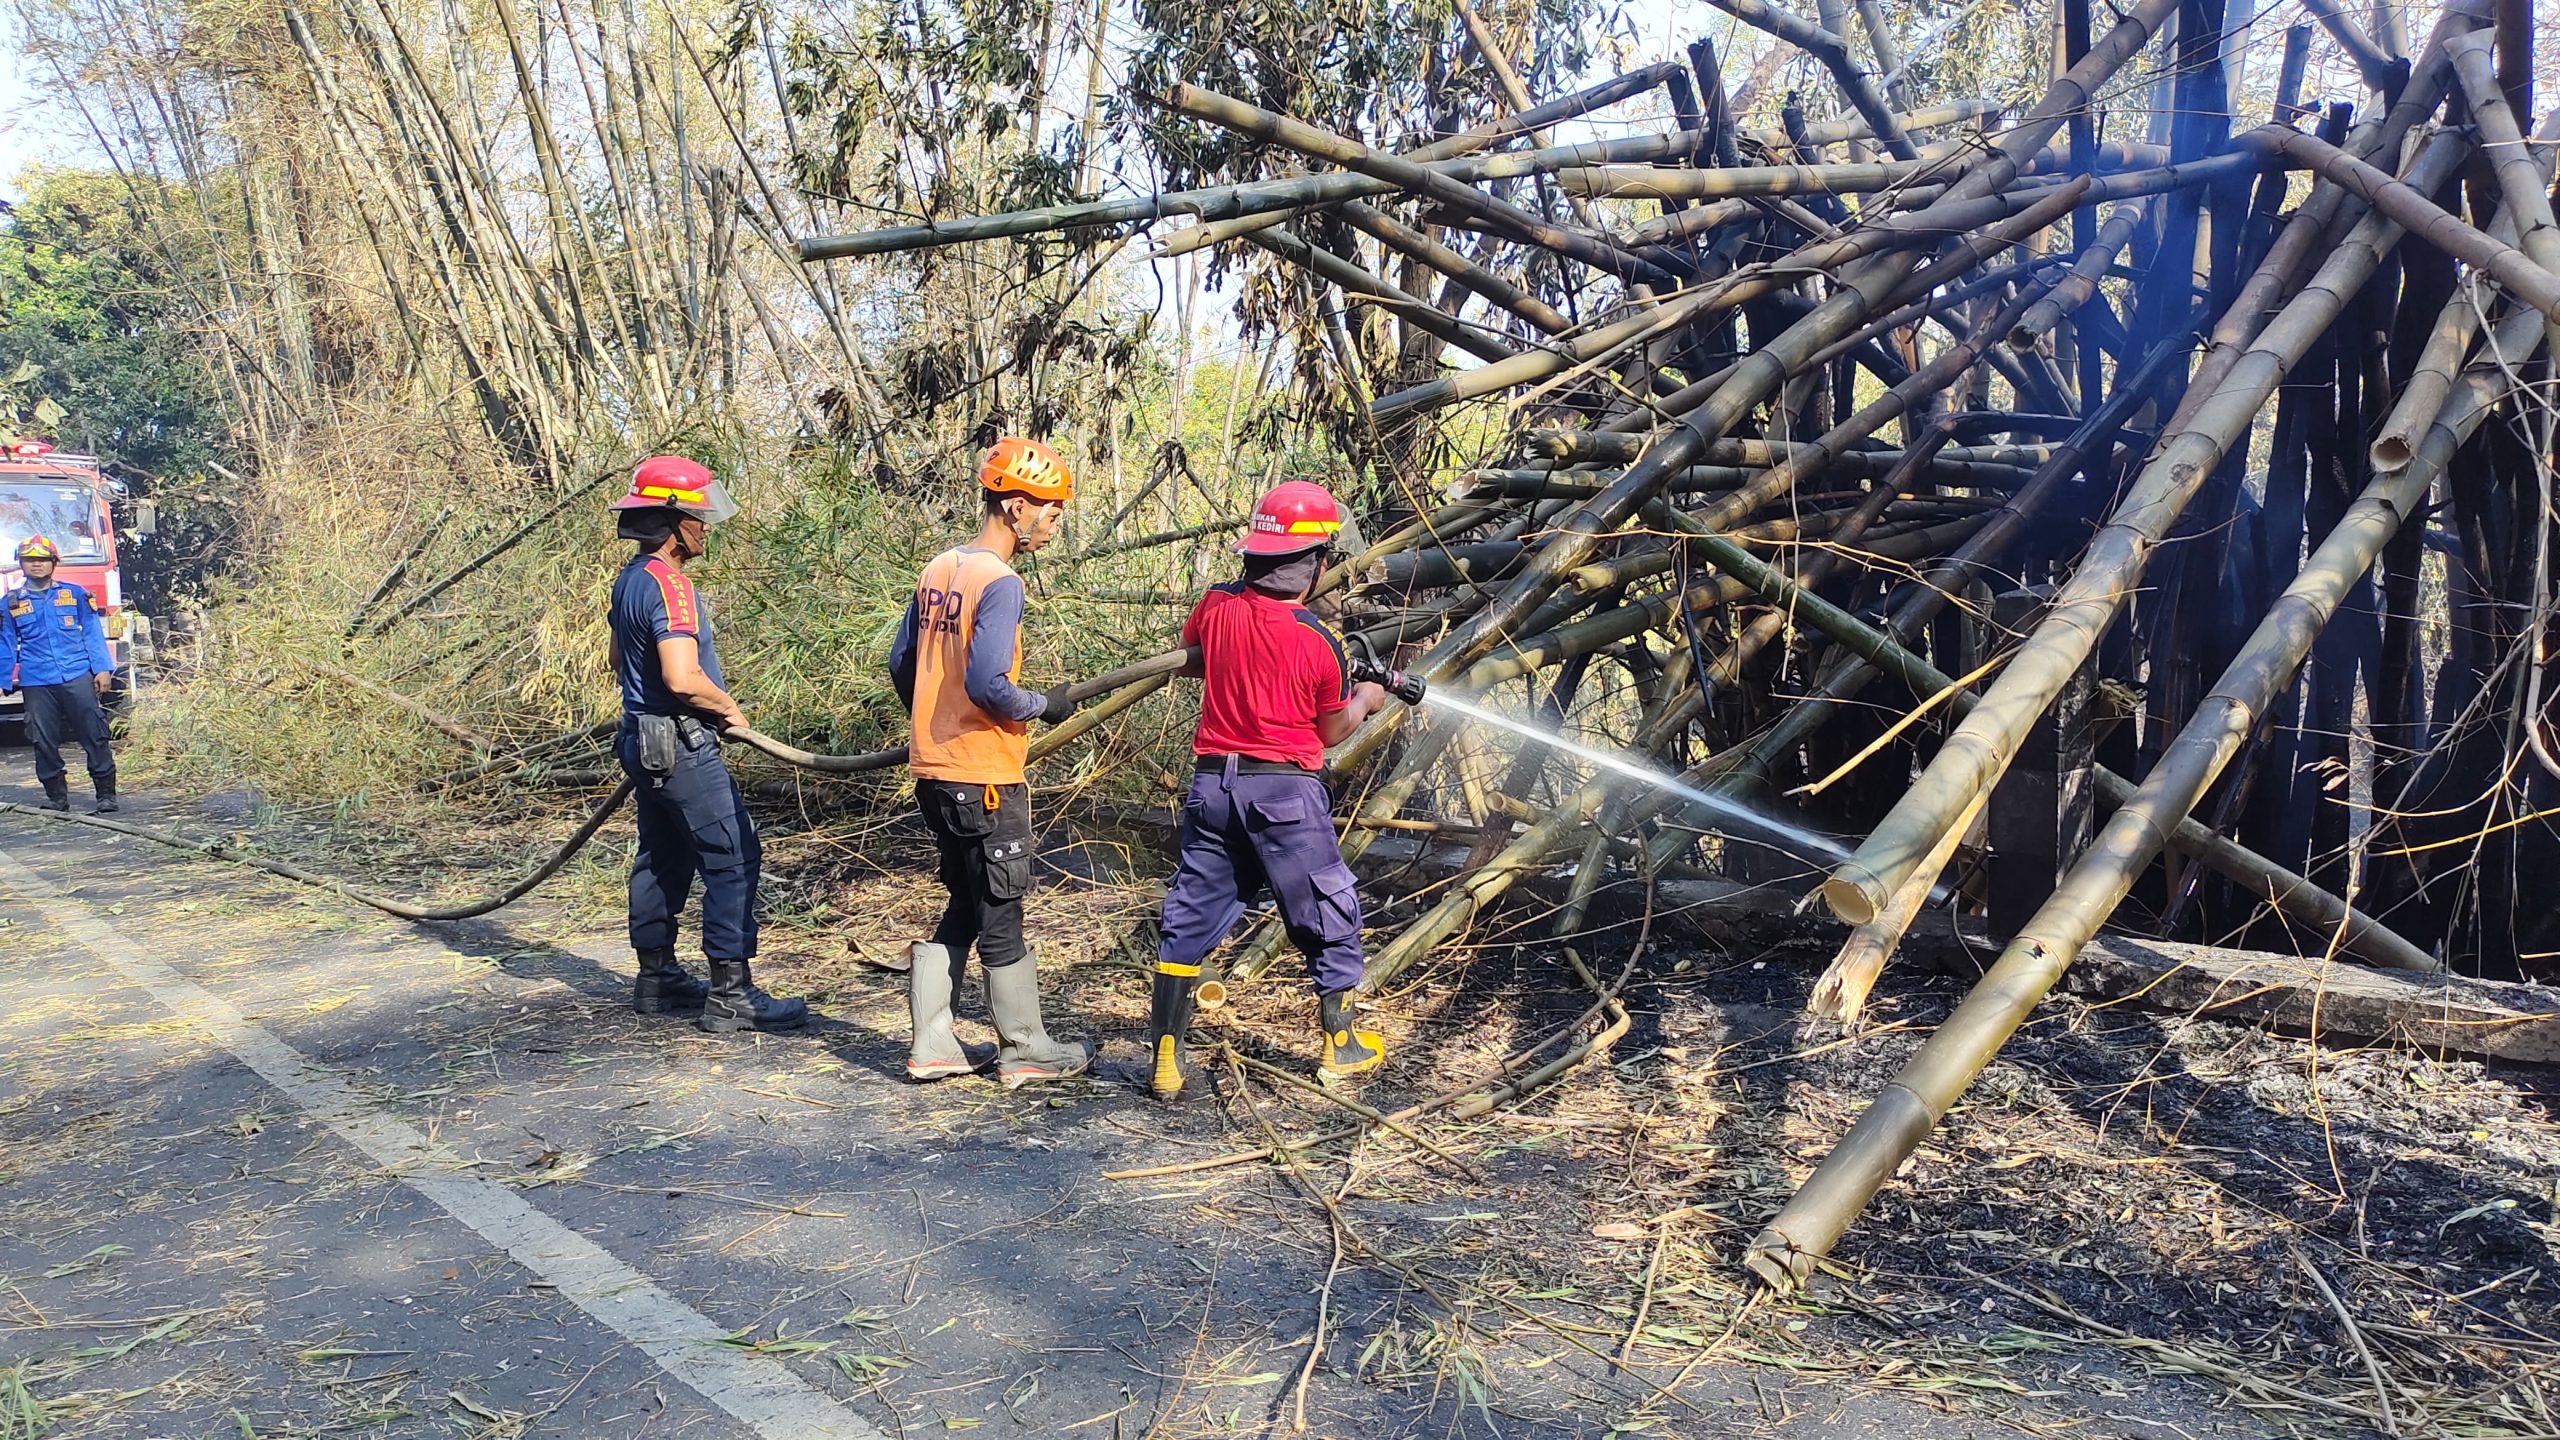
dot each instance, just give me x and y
(1134, 682)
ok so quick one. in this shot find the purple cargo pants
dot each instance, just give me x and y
(1243, 831)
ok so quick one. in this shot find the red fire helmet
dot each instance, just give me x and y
(38, 547)
(1297, 515)
(673, 482)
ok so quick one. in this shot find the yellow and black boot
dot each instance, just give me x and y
(1169, 1029)
(1347, 1050)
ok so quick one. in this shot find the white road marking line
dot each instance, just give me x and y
(757, 1390)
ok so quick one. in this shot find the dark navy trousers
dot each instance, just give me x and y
(693, 822)
(69, 712)
(1241, 832)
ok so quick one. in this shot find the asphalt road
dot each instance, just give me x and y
(274, 1165)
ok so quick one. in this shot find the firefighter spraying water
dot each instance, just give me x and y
(1277, 689)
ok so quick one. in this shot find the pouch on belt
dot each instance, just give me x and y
(658, 742)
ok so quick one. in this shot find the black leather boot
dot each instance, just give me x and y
(106, 793)
(736, 1004)
(57, 795)
(663, 984)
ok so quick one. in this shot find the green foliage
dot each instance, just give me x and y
(87, 301)
(95, 350)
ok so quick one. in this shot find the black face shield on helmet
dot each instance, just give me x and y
(1287, 576)
(650, 527)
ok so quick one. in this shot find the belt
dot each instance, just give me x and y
(1247, 765)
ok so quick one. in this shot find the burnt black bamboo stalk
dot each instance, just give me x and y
(1608, 447)
(2216, 413)
(1810, 458)
(2316, 910)
(1758, 375)
(1906, 1110)
(1488, 882)
(1833, 52)
(1728, 667)
(1939, 301)
(1720, 479)
(1820, 332)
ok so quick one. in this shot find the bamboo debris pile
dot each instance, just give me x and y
(1775, 428)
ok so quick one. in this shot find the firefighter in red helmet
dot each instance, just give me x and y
(693, 822)
(1277, 689)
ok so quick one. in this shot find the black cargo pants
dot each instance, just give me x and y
(986, 865)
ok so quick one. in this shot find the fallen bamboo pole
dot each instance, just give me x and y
(1975, 755)
(1410, 308)
(2306, 904)
(2514, 271)
(1224, 202)
(2081, 284)
(1480, 137)
(1422, 180)
(1474, 278)
(1903, 1114)
(2523, 184)
(1671, 182)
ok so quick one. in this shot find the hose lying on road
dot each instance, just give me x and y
(1136, 682)
(389, 905)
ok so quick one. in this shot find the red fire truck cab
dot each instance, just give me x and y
(71, 501)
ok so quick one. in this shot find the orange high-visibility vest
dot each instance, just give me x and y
(954, 739)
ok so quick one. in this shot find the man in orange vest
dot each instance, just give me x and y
(956, 663)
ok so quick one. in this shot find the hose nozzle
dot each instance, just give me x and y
(1367, 670)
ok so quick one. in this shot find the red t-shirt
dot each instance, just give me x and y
(1271, 668)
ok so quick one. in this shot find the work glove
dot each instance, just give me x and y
(1054, 705)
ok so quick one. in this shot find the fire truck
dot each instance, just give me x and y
(70, 500)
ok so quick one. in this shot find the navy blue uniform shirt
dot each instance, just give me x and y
(652, 600)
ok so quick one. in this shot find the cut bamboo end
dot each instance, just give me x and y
(1853, 895)
(1777, 1262)
(1212, 995)
(2393, 452)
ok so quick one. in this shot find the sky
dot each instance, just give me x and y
(19, 143)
